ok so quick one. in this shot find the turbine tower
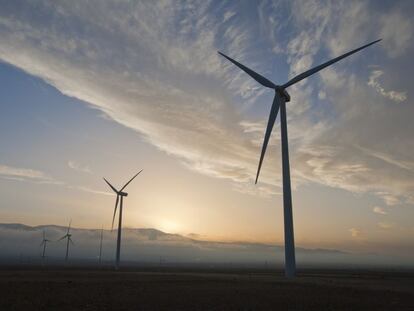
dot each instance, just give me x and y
(119, 199)
(100, 247)
(44, 243)
(279, 102)
(68, 237)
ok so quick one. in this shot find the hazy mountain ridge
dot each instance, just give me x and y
(153, 245)
(152, 234)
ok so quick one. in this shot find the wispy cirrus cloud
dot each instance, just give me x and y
(89, 190)
(355, 233)
(153, 67)
(79, 167)
(379, 210)
(389, 159)
(40, 177)
(385, 225)
(395, 96)
(26, 174)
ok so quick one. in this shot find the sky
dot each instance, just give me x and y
(106, 88)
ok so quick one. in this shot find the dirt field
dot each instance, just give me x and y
(203, 290)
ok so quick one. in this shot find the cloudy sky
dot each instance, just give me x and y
(106, 88)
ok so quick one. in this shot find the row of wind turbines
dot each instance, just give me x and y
(281, 97)
(67, 236)
(120, 194)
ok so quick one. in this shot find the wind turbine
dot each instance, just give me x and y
(68, 237)
(279, 102)
(44, 242)
(119, 199)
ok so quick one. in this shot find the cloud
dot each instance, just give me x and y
(228, 15)
(395, 96)
(351, 120)
(154, 68)
(321, 95)
(25, 174)
(151, 84)
(389, 159)
(397, 32)
(355, 233)
(39, 177)
(89, 190)
(379, 210)
(78, 167)
(385, 225)
(389, 198)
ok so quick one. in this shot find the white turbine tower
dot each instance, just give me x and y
(279, 101)
(119, 199)
(68, 237)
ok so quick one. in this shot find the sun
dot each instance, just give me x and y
(169, 226)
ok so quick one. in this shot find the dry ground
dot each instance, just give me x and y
(72, 289)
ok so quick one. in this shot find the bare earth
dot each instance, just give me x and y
(204, 290)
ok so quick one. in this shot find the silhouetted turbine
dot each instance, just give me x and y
(119, 199)
(68, 238)
(279, 101)
(44, 242)
(100, 246)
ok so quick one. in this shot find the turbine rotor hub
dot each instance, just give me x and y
(283, 93)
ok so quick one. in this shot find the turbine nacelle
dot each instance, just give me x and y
(122, 194)
(281, 91)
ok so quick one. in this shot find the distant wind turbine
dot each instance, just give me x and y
(68, 237)
(279, 101)
(44, 243)
(119, 199)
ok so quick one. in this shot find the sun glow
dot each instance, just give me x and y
(169, 226)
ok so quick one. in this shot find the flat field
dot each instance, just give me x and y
(179, 289)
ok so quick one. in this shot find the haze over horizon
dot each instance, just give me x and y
(149, 246)
(105, 89)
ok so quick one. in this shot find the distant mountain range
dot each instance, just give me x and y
(152, 245)
(149, 233)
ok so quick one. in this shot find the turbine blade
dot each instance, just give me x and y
(71, 241)
(112, 187)
(62, 238)
(44, 234)
(43, 242)
(309, 72)
(259, 78)
(116, 206)
(70, 222)
(130, 180)
(272, 118)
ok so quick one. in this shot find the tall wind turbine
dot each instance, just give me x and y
(44, 242)
(68, 237)
(279, 101)
(119, 199)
